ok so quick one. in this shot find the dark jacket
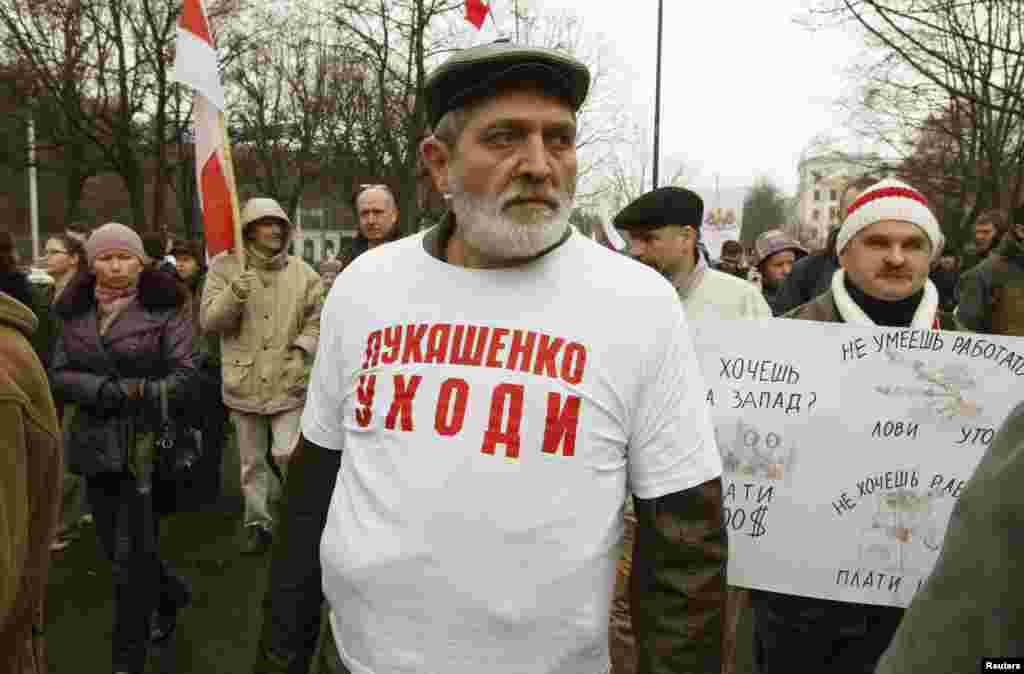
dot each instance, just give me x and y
(29, 491)
(151, 339)
(772, 296)
(823, 309)
(968, 609)
(992, 293)
(810, 277)
(971, 258)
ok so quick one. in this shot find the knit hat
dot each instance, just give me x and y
(891, 199)
(114, 236)
(775, 241)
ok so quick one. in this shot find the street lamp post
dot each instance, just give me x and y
(657, 97)
(33, 189)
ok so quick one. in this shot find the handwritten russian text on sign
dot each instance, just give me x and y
(845, 448)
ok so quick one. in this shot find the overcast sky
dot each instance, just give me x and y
(744, 88)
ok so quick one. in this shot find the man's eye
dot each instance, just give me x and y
(563, 139)
(501, 137)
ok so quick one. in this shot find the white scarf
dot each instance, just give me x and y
(924, 316)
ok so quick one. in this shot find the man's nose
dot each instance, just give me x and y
(535, 161)
(896, 256)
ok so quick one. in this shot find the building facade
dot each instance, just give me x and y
(823, 181)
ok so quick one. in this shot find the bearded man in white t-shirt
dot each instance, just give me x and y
(475, 420)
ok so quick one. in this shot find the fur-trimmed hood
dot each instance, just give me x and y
(158, 290)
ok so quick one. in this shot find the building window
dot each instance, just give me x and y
(833, 213)
(832, 195)
(815, 215)
(817, 195)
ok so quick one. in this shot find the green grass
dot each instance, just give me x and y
(217, 633)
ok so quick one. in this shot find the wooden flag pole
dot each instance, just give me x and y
(229, 167)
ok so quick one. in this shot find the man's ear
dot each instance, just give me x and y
(437, 157)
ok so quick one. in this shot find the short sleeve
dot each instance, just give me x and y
(323, 416)
(672, 443)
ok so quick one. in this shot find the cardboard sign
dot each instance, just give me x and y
(845, 448)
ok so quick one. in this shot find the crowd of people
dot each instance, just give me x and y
(440, 437)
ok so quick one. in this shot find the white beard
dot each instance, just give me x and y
(486, 229)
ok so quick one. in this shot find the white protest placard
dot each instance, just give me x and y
(845, 448)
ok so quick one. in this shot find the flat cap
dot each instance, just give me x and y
(661, 207)
(473, 73)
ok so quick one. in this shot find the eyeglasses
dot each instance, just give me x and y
(51, 251)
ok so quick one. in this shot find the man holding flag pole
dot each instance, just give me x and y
(263, 302)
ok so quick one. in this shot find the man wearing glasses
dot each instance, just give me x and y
(474, 424)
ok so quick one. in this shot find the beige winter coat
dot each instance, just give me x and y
(262, 373)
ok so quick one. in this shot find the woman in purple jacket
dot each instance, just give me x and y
(126, 334)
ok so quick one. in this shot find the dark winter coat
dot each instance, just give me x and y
(151, 339)
(992, 293)
(810, 277)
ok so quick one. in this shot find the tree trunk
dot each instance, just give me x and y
(135, 182)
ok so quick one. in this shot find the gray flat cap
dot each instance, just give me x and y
(473, 73)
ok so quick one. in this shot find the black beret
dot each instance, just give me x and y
(661, 207)
(473, 73)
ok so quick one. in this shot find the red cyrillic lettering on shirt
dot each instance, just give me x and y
(573, 362)
(497, 430)
(372, 350)
(392, 345)
(364, 394)
(547, 350)
(449, 418)
(437, 343)
(468, 347)
(497, 344)
(560, 425)
(520, 353)
(402, 404)
(413, 337)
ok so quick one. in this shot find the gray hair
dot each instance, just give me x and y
(450, 127)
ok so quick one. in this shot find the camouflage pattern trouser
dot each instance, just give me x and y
(621, 643)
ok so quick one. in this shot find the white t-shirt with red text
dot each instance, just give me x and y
(491, 422)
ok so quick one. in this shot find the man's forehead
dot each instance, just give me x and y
(526, 106)
(268, 220)
(375, 198)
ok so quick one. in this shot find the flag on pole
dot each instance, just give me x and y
(476, 12)
(195, 65)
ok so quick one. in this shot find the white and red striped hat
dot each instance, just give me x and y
(891, 199)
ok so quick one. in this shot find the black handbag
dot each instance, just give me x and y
(177, 479)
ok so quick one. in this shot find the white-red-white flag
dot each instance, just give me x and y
(195, 65)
